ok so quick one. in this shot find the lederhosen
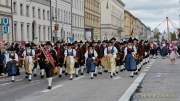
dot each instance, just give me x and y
(98, 59)
(90, 63)
(48, 66)
(60, 56)
(78, 58)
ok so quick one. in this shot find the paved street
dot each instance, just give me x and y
(82, 88)
(161, 83)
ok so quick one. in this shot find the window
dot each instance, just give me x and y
(27, 10)
(44, 32)
(21, 9)
(22, 31)
(7, 3)
(48, 15)
(15, 30)
(28, 31)
(33, 11)
(39, 13)
(43, 14)
(39, 32)
(14, 7)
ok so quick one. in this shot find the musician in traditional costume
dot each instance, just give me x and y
(11, 65)
(77, 58)
(60, 56)
(90, 57)
(129, 53)
(69, 60)
(51, 60)
(111, 53)
(29, 55)
(98, 59)
(147, 49)
(83, 50)
(41, 61)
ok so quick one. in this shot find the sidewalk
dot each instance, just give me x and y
(162, 83)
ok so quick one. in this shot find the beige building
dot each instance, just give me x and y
(112, 19)
(134, 27)
(92, 20)
(5, 20)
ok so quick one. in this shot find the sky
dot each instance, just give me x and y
(153, 12)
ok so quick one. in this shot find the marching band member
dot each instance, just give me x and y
(29, 55)
(129, 53)
(69, 60)
(90, 57)
(12, 64)
(110, 53)
(60, 56)
(50, 65)
(42, 61)
(77, 58)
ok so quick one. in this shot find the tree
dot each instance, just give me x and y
(157, 36)
(173, 36)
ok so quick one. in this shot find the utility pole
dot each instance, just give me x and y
(167, 19)
(12, 21)
(51, 19)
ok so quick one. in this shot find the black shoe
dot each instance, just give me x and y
(35, 75)
(95, 75)
(66, 74)
(114, 74)
(42, 76)
(29, 80)
(82, 73)
(60, 76)
(105, 71)
(99, 72)
(71, 79)
(92, 78)
(49, 87)
(117, 72)
(26, 76)
(111, 76)
(77, 76)
(12, 80)
(135, 73)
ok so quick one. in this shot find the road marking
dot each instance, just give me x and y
(4, 84)
(116, 78)
(148, 67)
(131, 90)
(78, 78)
(53, 88)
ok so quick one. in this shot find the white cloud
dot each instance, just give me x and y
(153, 12)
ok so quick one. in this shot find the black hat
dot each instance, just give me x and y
(130, 40)
(27, 45)
(135, 39)
(48, 43)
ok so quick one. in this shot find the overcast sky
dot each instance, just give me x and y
(153, 12)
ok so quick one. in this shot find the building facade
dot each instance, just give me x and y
(5, 20)
(31, 20)
(78, 19)
(62, 19)
(112, 19)
(92, 19)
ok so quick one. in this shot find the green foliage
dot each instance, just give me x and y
(173, 36)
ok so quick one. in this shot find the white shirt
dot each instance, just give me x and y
(28, 50)
(110, 48)
(93, 51)
(133, 53)
(70, 50)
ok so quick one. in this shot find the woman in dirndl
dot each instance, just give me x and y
(129, 53)
(90, 57)
(70, 55)
(173, 53)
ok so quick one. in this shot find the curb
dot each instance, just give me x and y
(134, 86)
(132, 89)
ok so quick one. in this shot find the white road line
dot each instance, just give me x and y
(4, 84)
(131, 90)
(116, 78)
(148, 67)
(78, 78)
(53, 88)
